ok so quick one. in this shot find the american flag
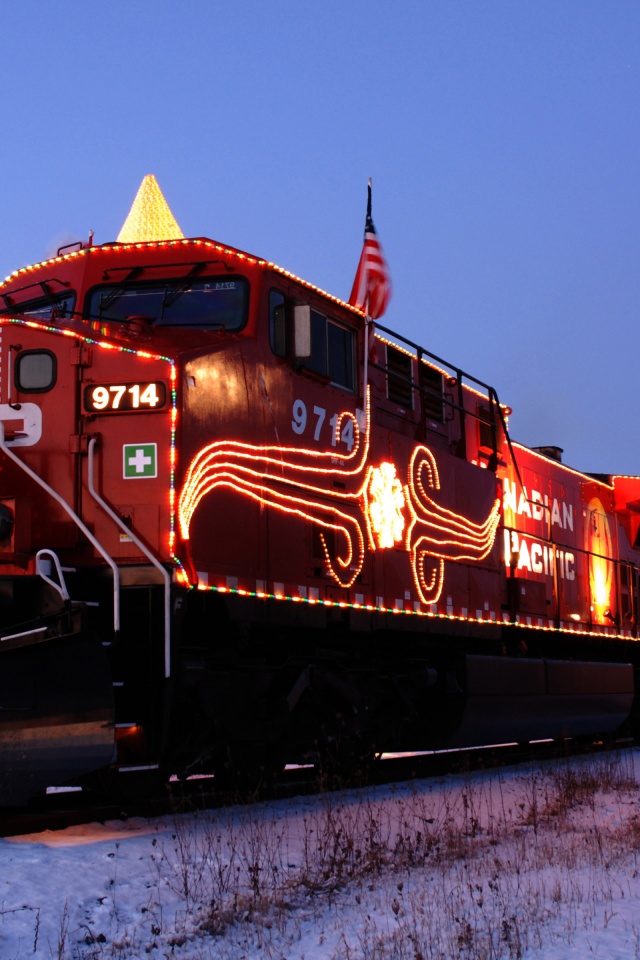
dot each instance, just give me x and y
(371, 290)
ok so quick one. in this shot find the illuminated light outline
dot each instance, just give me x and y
(425, 509)
(565, 627)
(145, 354)
(232, 464)
(118, 248)
(428, 591)
(450, 536)
(77, 335)
(434, 533)
(173, 458)
(239, 452)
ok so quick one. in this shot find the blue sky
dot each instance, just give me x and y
(502, 136)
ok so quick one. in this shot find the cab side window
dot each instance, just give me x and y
(278, 324)
(312, 340)
(332, 350)
(35, 371)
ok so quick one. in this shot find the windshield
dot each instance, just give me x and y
(53, 307)
(213, 304)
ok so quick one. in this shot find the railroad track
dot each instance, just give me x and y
(60, 810)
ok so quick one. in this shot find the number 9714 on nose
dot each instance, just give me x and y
(125, 397)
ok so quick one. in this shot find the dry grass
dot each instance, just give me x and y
(481, 870)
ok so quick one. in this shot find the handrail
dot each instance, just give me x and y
(78, 522)
(457, 378)
(433, 356)
(61, 586)
(143, 549)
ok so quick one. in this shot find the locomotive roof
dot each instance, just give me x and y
(150, 225)
(115, 248)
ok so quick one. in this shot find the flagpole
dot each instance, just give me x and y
(367, 321)
(367, 318)
(371, 287)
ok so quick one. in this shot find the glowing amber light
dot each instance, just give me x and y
(385, 502)
(600, 565)
(150, 218)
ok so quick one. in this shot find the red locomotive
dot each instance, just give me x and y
(232, 535)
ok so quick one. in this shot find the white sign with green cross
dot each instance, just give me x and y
(140, 460)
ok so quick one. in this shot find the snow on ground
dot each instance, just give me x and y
(538, 861)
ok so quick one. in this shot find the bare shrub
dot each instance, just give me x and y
(479, 869)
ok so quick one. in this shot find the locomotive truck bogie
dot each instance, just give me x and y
(237, 530)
